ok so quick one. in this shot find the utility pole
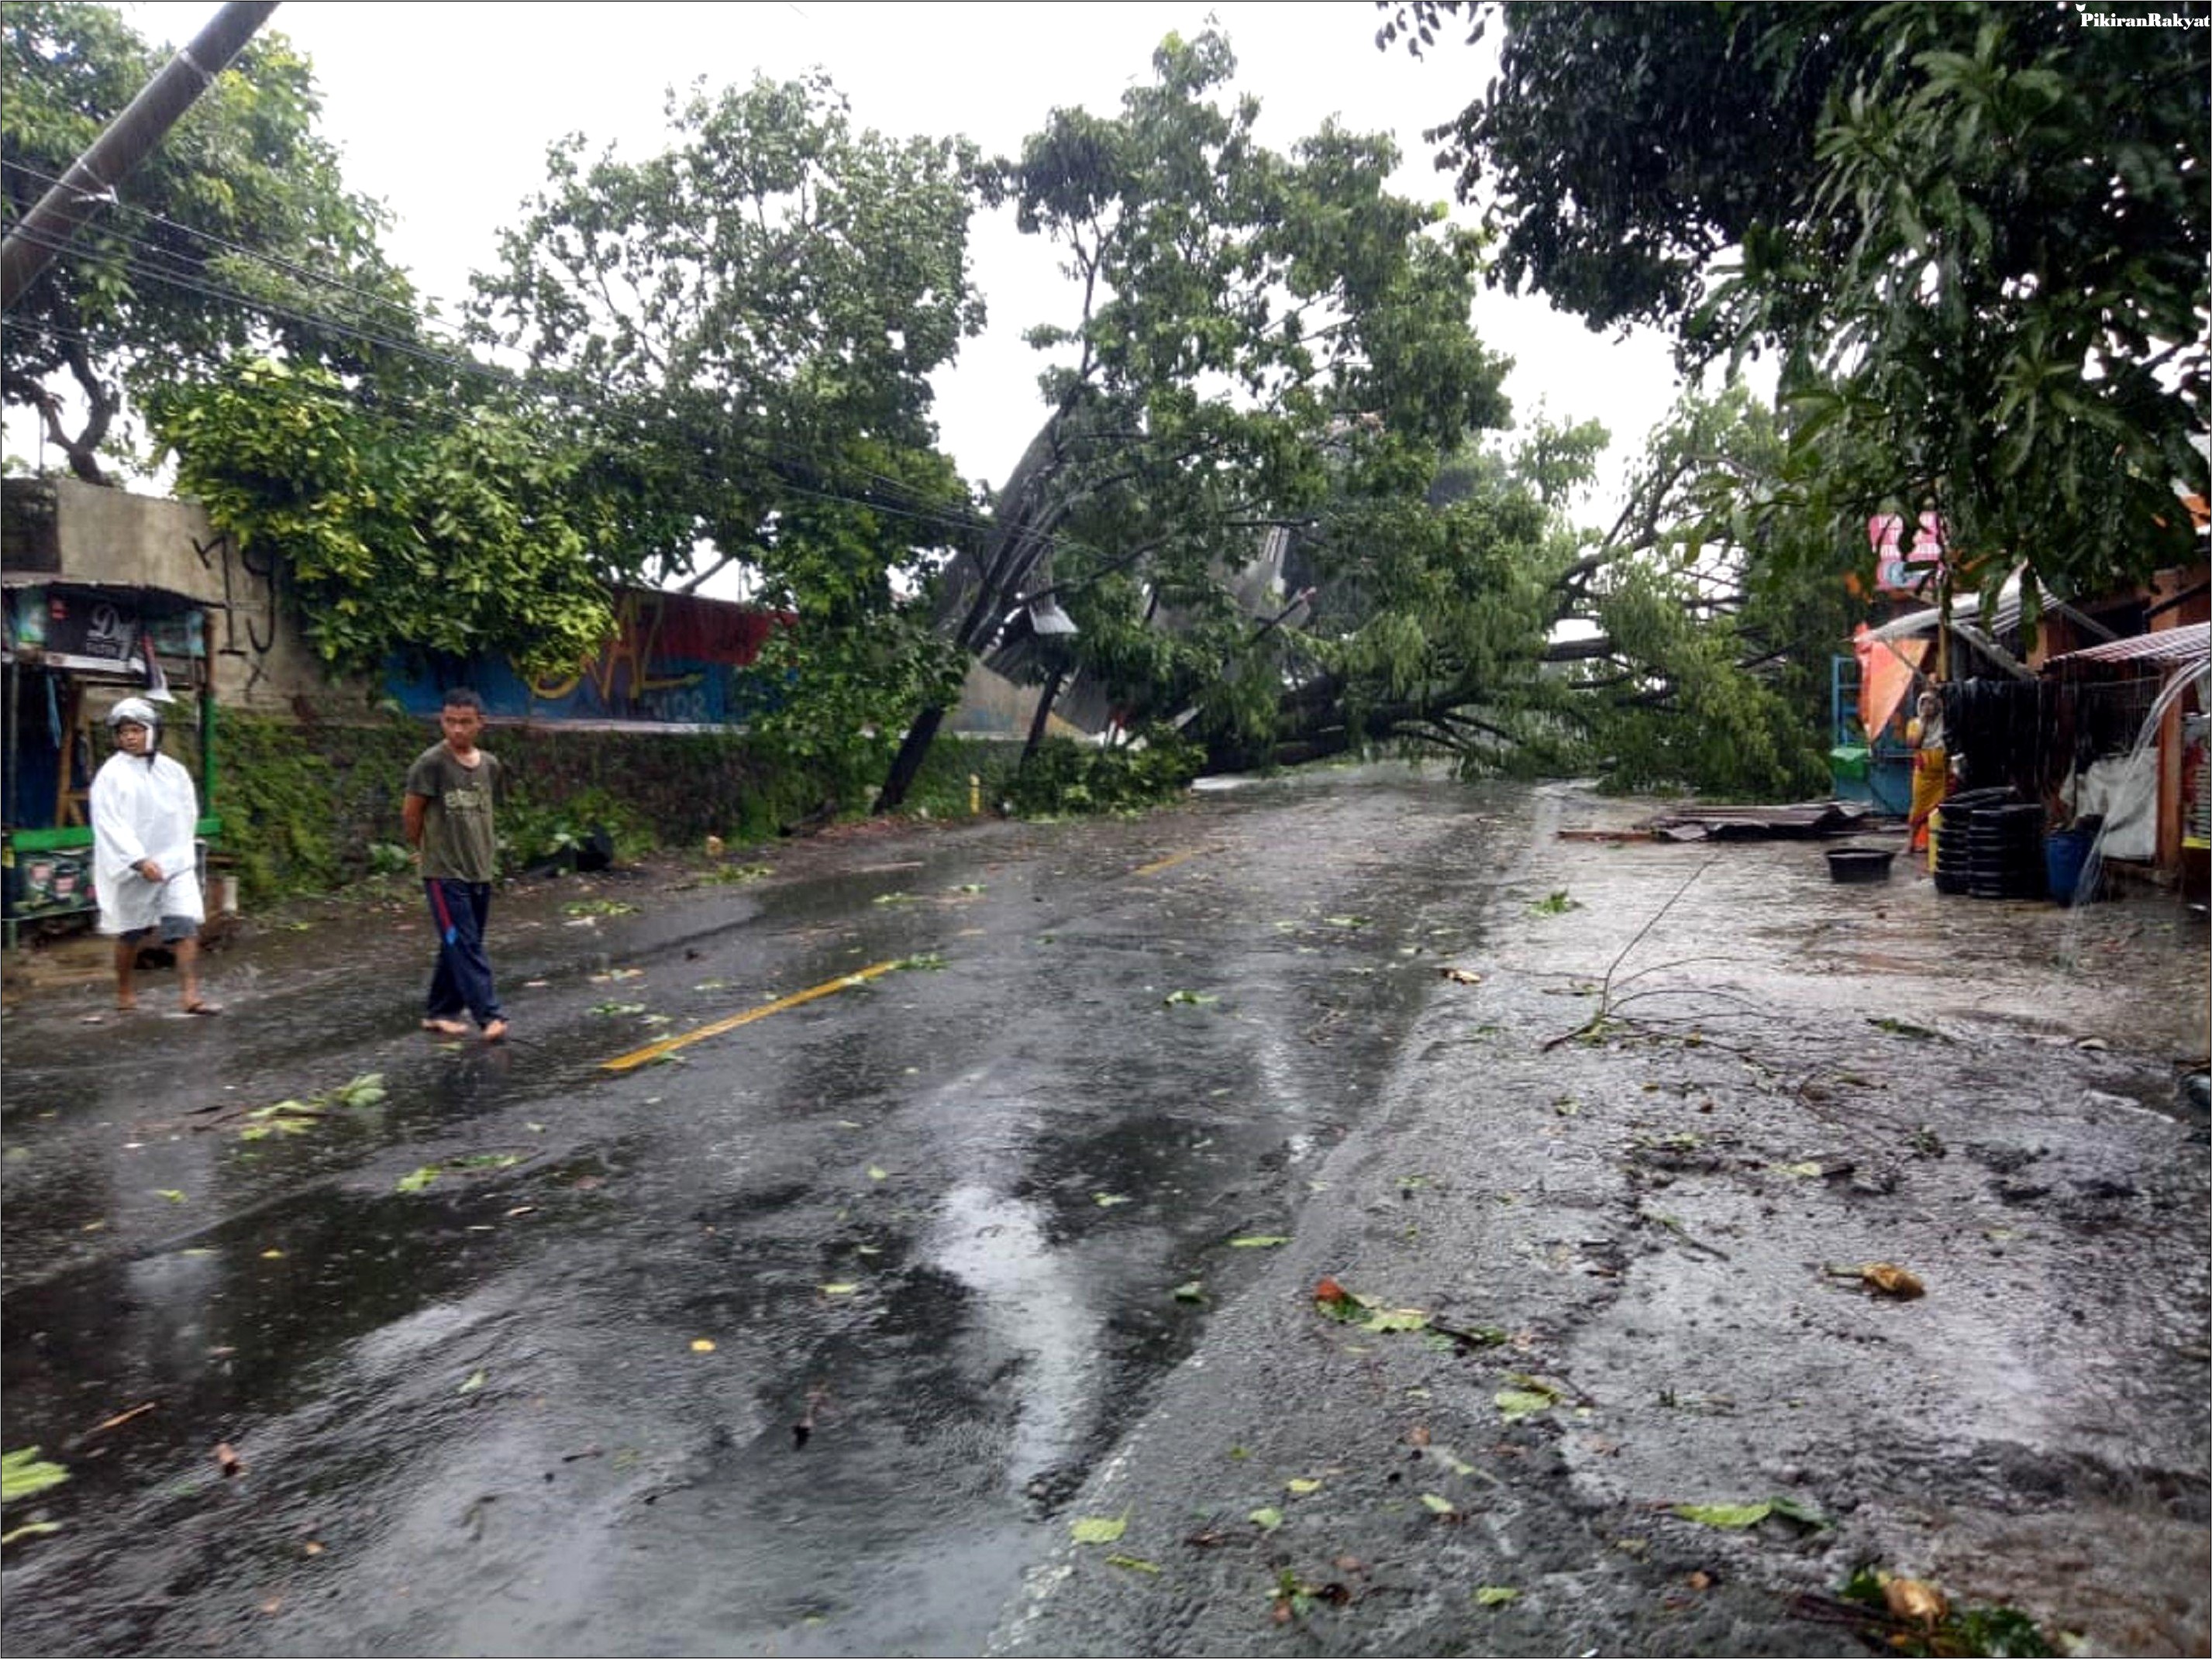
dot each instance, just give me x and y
(45, 230)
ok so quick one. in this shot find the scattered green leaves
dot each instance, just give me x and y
(23, 1474)
(1515, 1404)
(1267, 1517)
(367, 1090)
(1396, 1319)
(1737, 1516)
(1188, 998)
(1259, 1241)
(2003, 1631)
(1347, 1307)
(1733, 1516)
(1555, 903)
(1099, 1529)
(734, 872)
(1496, 1595)
(415, 1180)
(1906, 1028)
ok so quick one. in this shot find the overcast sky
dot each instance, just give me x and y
(443, 112)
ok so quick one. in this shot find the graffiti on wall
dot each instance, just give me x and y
(673, 659)
(249, 603)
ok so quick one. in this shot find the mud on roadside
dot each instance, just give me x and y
(1642, 1159)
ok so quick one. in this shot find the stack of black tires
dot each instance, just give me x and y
(1990, 844)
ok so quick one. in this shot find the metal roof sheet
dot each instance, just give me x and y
(2188, 646)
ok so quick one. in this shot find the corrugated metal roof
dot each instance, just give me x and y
(1967, 609)
(2188, 646)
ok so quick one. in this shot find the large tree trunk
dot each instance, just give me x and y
(1047, 695)
(979, 590)
(906, 765)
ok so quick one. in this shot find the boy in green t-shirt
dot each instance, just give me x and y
(447, 812)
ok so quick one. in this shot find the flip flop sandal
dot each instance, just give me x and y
(206, 1009)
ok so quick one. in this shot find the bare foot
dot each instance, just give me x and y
(496, 1032)
(446, 1027)
(126, 1007)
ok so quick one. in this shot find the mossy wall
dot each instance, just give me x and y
(307, 805)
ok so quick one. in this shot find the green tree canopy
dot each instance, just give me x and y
(1977, 234)
(1254, 334)
(749, 318)
(402, 529)
(1485, 625)
(236, 231)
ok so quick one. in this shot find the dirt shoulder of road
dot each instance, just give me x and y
(1725, 1232)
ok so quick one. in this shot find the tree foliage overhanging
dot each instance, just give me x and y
(750, 316)
(726, 358)
(236, 233)
(1976, 234)
(1255, 339)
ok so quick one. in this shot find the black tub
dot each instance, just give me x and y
(1859, 863)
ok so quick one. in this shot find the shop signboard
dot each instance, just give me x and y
(1901, 566)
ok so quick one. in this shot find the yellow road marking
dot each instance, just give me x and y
(670, 1045)
(1158, 865)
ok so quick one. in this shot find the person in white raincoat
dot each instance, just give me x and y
(144, 865)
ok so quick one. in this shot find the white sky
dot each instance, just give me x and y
(443, 112)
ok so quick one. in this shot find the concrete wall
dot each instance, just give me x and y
(260, 660)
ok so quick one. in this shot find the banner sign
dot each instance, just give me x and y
(1899, 568)
(98, 625)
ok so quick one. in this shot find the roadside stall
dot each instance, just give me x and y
(70, 649)
(2137, 780)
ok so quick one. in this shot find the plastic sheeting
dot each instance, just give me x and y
(2123, 788)
(1887, 671)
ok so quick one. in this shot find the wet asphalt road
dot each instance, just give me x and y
(932, 1227)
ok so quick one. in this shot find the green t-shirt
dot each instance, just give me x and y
(456, 820)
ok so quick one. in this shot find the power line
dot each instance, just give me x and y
(195, 282)
(275, 262)
(772, 451)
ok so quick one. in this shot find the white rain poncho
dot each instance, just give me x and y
(141, 811)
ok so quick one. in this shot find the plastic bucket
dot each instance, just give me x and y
(2065, 860)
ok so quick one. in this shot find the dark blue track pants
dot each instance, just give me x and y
(464, 977)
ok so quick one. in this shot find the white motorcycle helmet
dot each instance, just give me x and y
(136, 711)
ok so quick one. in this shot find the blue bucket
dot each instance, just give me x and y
(2066, 862)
